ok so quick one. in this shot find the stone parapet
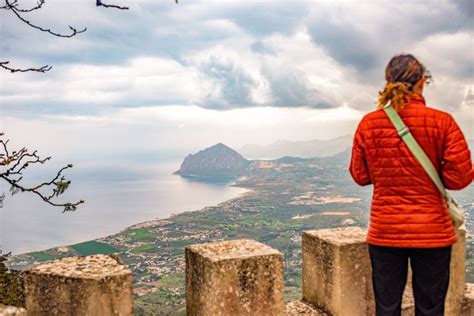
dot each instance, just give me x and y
(236, 277)
(456, 276)
(467, 307)
(90, 285)
(298, 308)
(336, 274)
(12, 311)
(408, 303)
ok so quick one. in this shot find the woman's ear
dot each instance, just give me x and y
(418, 88)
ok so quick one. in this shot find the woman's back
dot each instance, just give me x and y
(409, 220)
(407, 209)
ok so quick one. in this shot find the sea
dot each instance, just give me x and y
(117, 194)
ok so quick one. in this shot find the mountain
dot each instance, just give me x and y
(289, 159)
(303, 149)
(217, 160)
(343, 157)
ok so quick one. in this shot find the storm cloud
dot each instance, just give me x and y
(226, 55)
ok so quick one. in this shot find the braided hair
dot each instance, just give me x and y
(402, 73)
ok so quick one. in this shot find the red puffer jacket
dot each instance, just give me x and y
(407, 209)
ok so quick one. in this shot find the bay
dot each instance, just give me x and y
(117, 194)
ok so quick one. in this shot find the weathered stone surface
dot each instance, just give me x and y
(456, 283)
(408, 302)
(336, 271)
(236, 277)
(90, 285)
(12, 290)
(12, 311)
(467, 307)
(295, 308)
(337, 274)
(456, 276)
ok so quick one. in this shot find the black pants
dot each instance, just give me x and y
(430, 278)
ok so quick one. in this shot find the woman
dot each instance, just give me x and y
(409, 219)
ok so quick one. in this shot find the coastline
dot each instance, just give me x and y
(247, 191)
(277, 204)
(157, 219)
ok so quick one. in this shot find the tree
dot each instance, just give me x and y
(14, 163)
(12, 6)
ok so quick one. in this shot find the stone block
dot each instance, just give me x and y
(86, 285)
(12, 311)
(408, 303)
(457, 272)
(467, 308)
(336, 271)
(297, 308)
(236, 277)
(456, 283)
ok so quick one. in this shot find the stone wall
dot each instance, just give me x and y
(11, 286)
(86, 285)
(236, 277)
(336, 278)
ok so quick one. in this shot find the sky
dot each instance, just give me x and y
(165, 78)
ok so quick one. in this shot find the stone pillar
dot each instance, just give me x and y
(336, 271)
(408, 302)
(90, 285)
(457, 276)
(12, 311)
(454, 298)
(468, 301)
(236, 277)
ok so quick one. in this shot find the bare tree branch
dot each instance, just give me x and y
(17, 161)
(39, 4)
(12, 6)
(42, 69)
(6, 7)
(99, 3)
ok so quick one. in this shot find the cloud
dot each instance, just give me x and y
(448, 54)
(228, 85)
(465, 7)
(344, 42)
(291, 88)
(267, 18)
(365, 35)
(134, 131)
(140, 82)
(260, 48)
(225, 55)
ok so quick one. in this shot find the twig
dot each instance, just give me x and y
(42, 69)
(99, 3)
(17, 161)
(39, 4)
(13, 8)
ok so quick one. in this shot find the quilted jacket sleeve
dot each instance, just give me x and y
(456, 164)
(358, 165)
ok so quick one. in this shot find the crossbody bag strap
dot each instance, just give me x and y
(415, 148)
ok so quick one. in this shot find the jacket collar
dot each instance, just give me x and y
(417, 98)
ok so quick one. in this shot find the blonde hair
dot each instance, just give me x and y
(402, 73)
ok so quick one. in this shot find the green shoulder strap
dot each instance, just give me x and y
(415, 148)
